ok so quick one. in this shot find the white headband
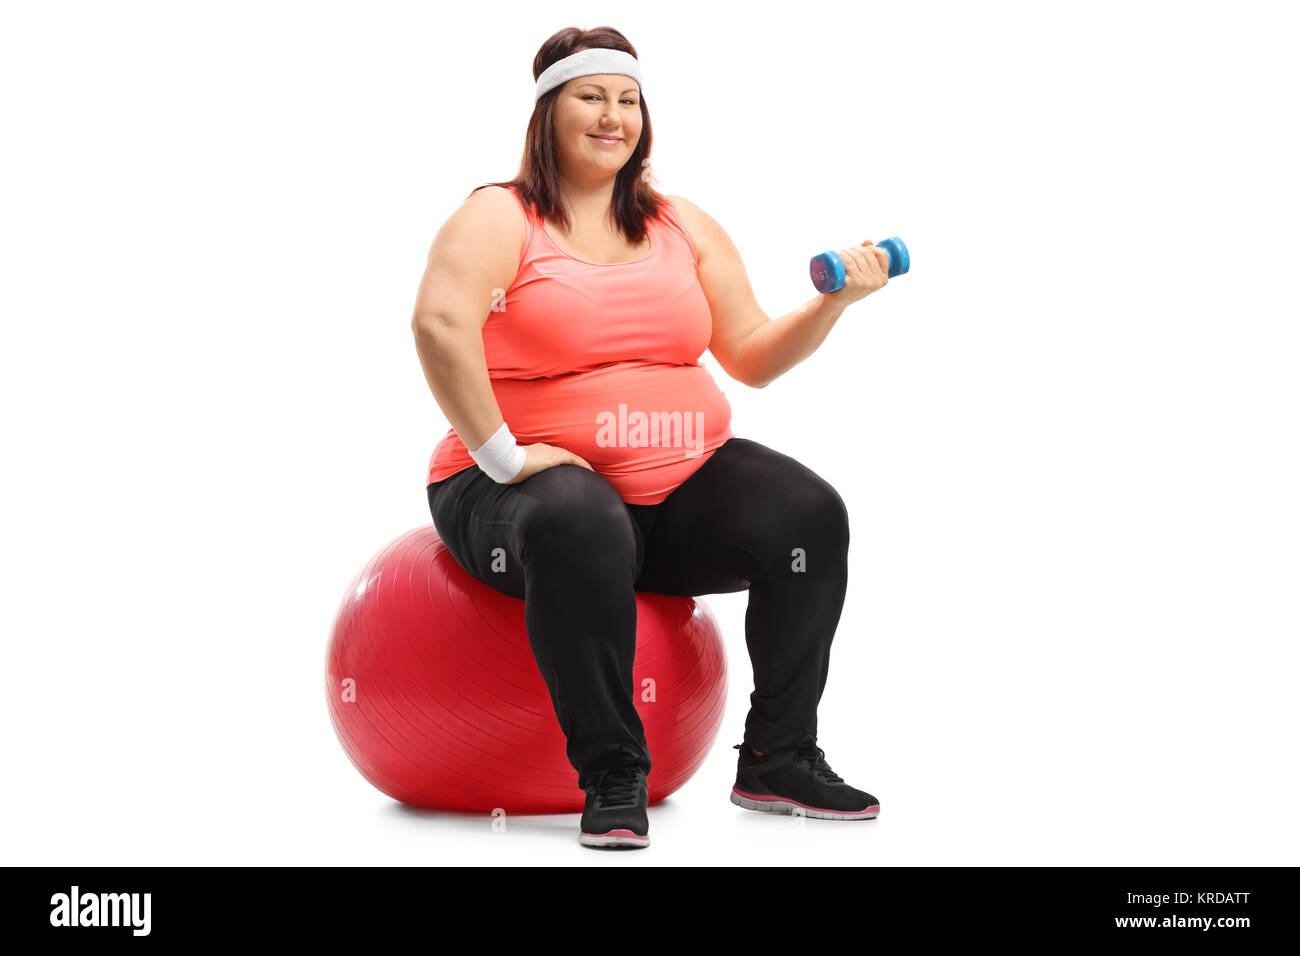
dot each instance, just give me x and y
(587, 63)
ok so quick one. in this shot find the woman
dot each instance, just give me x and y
(559, 324)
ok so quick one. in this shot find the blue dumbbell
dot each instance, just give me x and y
(828, 269)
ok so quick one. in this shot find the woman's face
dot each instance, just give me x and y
(597, 125)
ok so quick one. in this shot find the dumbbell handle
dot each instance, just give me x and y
(827, 269)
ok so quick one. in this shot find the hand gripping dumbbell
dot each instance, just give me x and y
(827, 269)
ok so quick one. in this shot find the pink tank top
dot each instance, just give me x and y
(603, 359)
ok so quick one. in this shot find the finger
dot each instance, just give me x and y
(879, 260)
(855, 264)
(868, 265)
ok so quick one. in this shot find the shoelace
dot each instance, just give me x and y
(620, 784)
(816, 758)
(813, 755)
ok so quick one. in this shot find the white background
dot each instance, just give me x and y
(1067, 438)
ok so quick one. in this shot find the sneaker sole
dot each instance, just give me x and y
(615, 838)
(771, 804)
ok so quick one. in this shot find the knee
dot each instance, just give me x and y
(584, 520)
(818, 513)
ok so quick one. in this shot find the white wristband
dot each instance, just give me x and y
(500, 457)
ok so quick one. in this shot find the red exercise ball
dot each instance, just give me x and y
(435, 695)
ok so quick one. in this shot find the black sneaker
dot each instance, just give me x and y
(615, 815)
(798, 781)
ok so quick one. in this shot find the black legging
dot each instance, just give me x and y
(748, 518)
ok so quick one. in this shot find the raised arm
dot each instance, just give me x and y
(750, 346)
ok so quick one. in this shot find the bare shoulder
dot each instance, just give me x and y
(691, 214)
(487, 228)
(475, 252)
(703, 228)
(494, 209)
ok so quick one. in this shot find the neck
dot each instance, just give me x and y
(590, 201)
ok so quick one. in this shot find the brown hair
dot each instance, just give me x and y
(635, 200)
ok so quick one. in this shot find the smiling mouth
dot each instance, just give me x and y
(607, 140)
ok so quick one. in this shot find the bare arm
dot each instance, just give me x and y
(778, 345)
(473, 255)
(749, 345)
(471, 263)
(773, 348)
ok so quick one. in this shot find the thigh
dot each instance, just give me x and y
(747, 511)
(565, 513)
